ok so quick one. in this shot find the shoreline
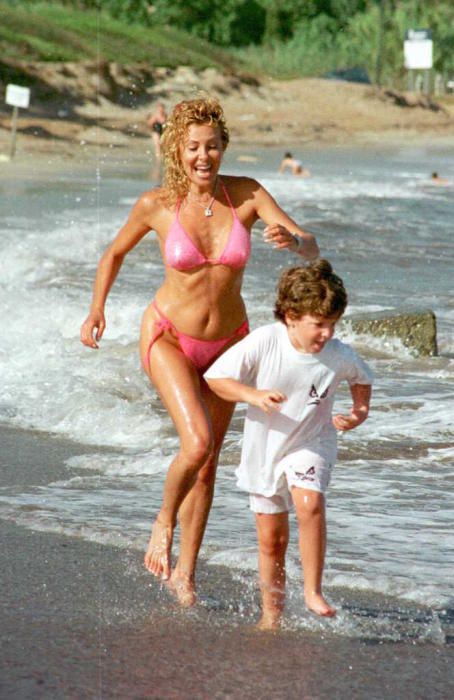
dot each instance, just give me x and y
(311, 113)
(38, 160)
(82, 619)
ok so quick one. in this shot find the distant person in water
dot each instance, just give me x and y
(288, 373)
(155, 123)
(290, 163)
(437, 180)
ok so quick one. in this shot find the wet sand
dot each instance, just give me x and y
(85, 620)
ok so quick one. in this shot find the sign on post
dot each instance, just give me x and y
(418, 49)
(18, 97)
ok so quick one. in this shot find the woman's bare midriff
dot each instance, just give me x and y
(205, 306)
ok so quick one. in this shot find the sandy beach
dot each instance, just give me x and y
(84, 620)
(309, 112)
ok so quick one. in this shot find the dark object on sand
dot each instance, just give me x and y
(355, 74)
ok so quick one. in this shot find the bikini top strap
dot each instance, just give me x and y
(229, 201)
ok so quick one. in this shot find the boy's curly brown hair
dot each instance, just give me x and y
(203, 110)
(314, 289)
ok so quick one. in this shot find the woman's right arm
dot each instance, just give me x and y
(137, 225)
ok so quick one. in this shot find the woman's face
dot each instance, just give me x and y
(201, 154)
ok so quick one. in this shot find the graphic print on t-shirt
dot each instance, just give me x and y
(314, 395)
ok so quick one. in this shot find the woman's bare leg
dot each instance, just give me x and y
(195, 509)
(310, 512)
(156, 144)
(179, 388)
(273, 536)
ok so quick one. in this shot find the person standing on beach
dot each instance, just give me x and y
(288, 373)
(203, 222)
(155, 123)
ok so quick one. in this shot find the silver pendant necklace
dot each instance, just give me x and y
(207, 209)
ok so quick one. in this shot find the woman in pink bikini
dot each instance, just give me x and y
(203, 222)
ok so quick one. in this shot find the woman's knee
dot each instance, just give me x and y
(197, 450)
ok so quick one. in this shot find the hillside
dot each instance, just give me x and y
(104, 77)
(49, 32)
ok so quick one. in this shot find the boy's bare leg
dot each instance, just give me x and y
(273, 536)
(310, 512)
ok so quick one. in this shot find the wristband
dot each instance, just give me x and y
(299, 243)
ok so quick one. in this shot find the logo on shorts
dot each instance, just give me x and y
(309, 475)
(314, 395)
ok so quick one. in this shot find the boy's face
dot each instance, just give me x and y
(310, 333)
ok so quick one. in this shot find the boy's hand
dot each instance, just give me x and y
(356, 417)
(267, 399)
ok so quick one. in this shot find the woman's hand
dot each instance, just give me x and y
(280, 237)
(94, 320)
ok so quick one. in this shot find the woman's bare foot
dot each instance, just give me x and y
(317, 604)
(182, 587)
(157, 556)
(269, 621)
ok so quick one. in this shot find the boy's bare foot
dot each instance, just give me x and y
(157, 556)
(182, 587)
(317, 604)
(269, 621)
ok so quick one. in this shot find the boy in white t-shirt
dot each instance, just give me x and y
(288, 372)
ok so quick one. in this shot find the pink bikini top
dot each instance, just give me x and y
(181, 253)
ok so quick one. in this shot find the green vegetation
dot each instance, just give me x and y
(319, 44)
(288, 38)
(51, 32)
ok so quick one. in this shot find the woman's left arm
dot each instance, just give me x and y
(281, 231)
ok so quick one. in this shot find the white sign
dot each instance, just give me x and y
(418, 49)
(17, 96)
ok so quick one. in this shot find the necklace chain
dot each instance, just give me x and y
(208, 211)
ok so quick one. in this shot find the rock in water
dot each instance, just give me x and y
(416, 329)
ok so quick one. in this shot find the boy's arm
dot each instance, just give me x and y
(232, 390)
(361, 394)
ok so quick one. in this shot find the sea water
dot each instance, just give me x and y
(388, 232)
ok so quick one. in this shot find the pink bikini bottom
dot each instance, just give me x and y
(201, 352)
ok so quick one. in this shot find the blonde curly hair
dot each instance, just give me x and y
(314, 289)
(204, 110)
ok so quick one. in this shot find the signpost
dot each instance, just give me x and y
(16, 96)
(418, 53)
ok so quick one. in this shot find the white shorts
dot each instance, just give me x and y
(304, 469)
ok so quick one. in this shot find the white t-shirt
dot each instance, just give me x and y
(266, 359)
